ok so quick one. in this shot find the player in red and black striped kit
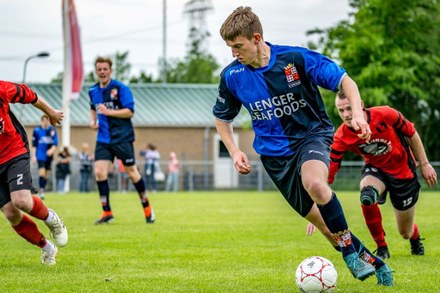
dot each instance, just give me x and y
(15, 175)
(390, 166)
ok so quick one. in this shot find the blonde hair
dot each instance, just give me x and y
(341, 95)
(241, 22)
(100, 59)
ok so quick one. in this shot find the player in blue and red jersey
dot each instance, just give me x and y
(15, 173)
(111, 110)
(390, 166)
(44, 144)
(278, 85)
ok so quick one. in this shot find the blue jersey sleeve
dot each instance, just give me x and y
(34, 139)
(322, 70)
(55, 137)
(126, 97)
(227, 106)
(91, 94)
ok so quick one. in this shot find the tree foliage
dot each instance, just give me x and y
(121, 67)
(392, 50)
(196, 67)
(121, 70)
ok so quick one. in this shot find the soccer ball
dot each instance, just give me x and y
(316, 274)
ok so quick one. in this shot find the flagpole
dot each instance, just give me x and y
(67, 77)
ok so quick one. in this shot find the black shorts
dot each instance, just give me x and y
(14, 175)
(46, 164)
(404, 193)
(123, 151)
(285, 172)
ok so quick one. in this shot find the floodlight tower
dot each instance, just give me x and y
(198, 28)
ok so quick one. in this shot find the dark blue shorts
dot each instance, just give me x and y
(46, 164)
(404, 193)
(285, 172)
(123, 151)
(14, 175)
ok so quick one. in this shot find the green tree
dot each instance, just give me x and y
(391, 48)
(121, 70)
(142, 78)
(196, 67)
(121, 66)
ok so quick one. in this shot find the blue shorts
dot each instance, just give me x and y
(123, 151)
(46, 164)
(404, 193)
(285, 172)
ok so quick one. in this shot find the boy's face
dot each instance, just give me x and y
(344, 110)
(45, 122)
(104, 72)
(245, 50)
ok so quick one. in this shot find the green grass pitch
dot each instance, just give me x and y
(206, 242)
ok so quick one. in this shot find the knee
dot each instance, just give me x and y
(369, 195)
(133, 173)
(318, 190)
(100, 174)
(22, 202)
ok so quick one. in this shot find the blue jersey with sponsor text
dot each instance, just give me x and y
(282, 98)
(115, 96)
(43, 139)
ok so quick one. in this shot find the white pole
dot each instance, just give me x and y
(67, 77)
(67, 82)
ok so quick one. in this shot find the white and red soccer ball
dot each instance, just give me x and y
(316, 274)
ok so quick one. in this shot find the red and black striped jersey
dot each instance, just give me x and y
(388, 149)
(13, 138)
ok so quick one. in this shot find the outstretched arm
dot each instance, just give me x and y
(240, 159)
(358, 120)
(426, 169)
(124, 113)
(93, 120)
(55, 116)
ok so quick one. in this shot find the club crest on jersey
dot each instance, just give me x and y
(2, 126)
(376, 147)
(114, 94)
(292, 75)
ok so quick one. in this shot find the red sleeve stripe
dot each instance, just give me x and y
(336, 160)
(35, 99)
(338, 153)
(17, 94)
(400, 122)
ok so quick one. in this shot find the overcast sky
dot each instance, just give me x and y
(107, 26)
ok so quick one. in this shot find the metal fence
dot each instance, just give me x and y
(199, 175)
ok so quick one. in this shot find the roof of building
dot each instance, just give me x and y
(165, 105)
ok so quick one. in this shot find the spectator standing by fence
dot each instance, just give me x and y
(152, 157)
(86, 166)
(62, 169)
(172, 182)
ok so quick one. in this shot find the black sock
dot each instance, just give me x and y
(334, 218)
(42, 181)
(140, 188)
(104, 194)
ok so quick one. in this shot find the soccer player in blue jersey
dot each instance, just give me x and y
(44, 144)
(111, 110)
(278, 85)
